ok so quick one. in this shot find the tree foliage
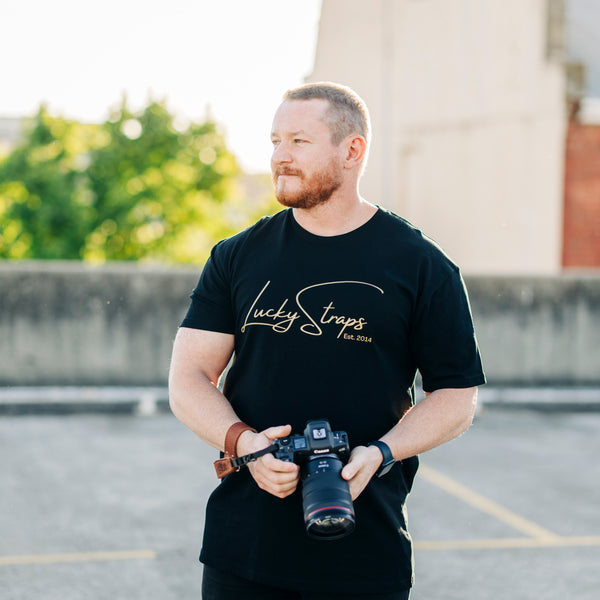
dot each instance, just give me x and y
(139, 186)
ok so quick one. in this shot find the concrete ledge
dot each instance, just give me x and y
(147, 401)
(144, 401)
(71, 324)
(565, 399)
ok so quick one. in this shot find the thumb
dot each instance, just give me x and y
(350, 470)
(280, 431)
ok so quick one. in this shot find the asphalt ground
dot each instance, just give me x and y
(111, 506)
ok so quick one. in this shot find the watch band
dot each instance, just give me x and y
(388, 457)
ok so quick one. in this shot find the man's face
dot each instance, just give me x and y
(306, 167)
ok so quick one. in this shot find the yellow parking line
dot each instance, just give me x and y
(504, 543)
(487, 506)
(72, 557)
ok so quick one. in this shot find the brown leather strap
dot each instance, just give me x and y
(223, 465)
(232, 436)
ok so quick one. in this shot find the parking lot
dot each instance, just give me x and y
(111, 506)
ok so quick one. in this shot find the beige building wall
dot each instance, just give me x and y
(467, 104)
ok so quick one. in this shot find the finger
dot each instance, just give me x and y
(278, 484)
(281, 491)
(278, 466)
(272, 478)
(353, 466)
(350, 471)
(280, 431)
(356, 487)
(283, 482)
(362, 459)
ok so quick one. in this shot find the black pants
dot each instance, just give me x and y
(218, 585)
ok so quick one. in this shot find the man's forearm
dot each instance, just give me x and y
(440, 417)
(199, 357)
(201, 407)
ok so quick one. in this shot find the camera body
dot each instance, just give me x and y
(326, 500)
(317, 440)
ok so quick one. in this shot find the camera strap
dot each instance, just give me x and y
(225, 466)
(242, 461)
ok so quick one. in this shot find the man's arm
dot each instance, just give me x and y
(440, 417)
(199, 357)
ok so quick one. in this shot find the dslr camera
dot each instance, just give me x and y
(321, 453)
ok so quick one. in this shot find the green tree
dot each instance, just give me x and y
(139, 186)
(156, 189)
(44, 194)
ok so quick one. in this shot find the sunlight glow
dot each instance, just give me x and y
(234, 56)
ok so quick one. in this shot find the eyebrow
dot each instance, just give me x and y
(291, 133)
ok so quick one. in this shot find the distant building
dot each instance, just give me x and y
(469, 111)
(581, 218)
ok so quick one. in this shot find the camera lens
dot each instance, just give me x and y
(326, 499)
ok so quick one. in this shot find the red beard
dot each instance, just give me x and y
(314, 190)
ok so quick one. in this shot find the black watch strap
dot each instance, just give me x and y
(388, 458)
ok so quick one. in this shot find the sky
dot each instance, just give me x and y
(583, 40)
(236, 57)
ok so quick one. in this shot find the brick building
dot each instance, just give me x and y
(473, 142)
(581, 218)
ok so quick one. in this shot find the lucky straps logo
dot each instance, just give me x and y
(281, 319)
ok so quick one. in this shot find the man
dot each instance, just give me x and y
(329, 308)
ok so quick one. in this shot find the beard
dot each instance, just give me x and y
(314, 190)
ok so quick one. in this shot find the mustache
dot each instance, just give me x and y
(287, 171)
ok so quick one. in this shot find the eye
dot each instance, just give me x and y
(300, 141)
(275, 142)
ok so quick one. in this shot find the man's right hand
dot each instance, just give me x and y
(272, 475)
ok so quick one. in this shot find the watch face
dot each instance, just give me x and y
(385, 469)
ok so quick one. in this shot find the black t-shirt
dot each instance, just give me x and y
(335, 328)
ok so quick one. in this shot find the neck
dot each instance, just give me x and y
(339, 215)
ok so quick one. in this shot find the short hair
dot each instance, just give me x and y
(347, 113)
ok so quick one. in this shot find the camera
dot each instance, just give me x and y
(321, 453)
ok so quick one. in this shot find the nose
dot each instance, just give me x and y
(280, 154)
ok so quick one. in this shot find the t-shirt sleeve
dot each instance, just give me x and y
(211, 307)
(443, 338)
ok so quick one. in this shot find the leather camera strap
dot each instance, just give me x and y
(224, 466)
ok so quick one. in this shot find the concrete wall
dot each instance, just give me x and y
(468, 111)
(538, 331)
(67, 324)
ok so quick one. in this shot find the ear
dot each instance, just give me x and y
(356, 148)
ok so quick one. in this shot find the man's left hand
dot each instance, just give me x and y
(363, 464)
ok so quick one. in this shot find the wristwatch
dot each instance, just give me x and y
(388, 459)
